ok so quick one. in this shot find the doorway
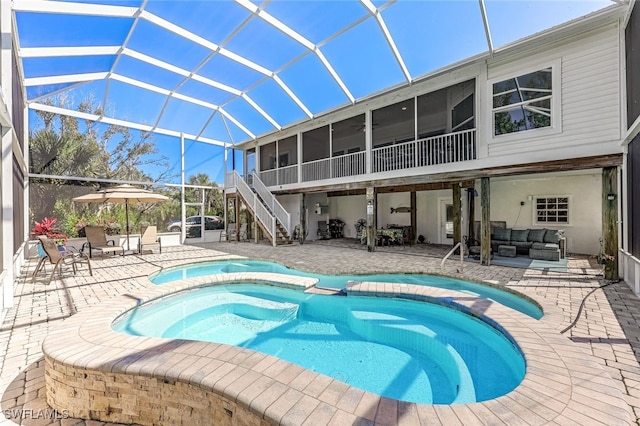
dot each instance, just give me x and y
(445, 220)
(250, 166)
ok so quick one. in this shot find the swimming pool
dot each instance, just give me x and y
(506, 298)
(401, 349)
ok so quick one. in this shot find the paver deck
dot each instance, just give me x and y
(607, 330)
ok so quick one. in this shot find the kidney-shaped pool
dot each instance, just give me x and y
(337, 282)
(401, 349)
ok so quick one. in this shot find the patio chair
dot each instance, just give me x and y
(59, 259)
(229, 232)
(234, 233)
(97, 240)
(242, 232)
(150, 239)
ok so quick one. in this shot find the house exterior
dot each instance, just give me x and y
(539, 124)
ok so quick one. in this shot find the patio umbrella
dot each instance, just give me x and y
(122, 194)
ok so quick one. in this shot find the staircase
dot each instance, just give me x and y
(274, 220)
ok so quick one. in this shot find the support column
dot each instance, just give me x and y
(457, 214)
(236, 208)
(303, 218)
(256, 230)
(183, 209)
(610, 222)
(414, 217)
(471, 201)
(485, 228)
(372, 202)
(368, 142)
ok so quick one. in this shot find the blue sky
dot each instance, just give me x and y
(218, 97)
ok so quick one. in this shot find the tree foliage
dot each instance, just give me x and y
(66, 148)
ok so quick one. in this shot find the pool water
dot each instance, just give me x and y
(505, 298)
(401, 349)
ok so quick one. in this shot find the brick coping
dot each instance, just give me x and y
(561, 384)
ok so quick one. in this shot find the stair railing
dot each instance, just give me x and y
(459, 245)
(283, 216)
(262, 213)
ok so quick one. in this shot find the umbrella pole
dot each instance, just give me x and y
(126, 218)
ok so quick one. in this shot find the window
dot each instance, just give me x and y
(523, 103)
(552, 210)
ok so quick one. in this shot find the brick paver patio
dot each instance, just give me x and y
(608, 327)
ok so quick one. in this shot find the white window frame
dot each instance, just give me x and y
(556, 102)
(551, 224)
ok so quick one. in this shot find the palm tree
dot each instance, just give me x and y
(213, 203)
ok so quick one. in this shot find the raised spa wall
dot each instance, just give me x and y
(97, 373)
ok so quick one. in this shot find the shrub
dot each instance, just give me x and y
(47, 228)
(112, 228)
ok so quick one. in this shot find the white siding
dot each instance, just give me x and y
(590, 97)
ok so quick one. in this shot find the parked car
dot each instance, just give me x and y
(210, 223)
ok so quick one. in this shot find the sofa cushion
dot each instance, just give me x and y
(501, 234)
(544, 246)
(537, 235)
(520, 235)
(522, 247)
(551, 236)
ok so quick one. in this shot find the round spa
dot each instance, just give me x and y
(401, 349)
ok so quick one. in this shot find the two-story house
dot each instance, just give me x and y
(537, 126)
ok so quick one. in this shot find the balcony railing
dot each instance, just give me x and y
(442, 149)
(280, 176)
(335, 167)
(449, 148)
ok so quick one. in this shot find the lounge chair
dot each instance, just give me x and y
(150, 239)
(229, 232)
(59, 258)
(97, 240)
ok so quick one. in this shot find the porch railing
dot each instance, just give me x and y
(280, 176)
(340, 166)
(283, 216)
(269, 177)
(442, 149)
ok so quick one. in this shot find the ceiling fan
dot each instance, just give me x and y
(361, 127)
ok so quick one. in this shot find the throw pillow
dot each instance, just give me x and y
(501, 234)
(551, 236)
(519, 235)
(537, 235)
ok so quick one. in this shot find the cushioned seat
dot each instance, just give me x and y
(544, 254)
(520, 240)
(545, 246)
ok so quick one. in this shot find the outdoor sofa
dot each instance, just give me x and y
(537, 243)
